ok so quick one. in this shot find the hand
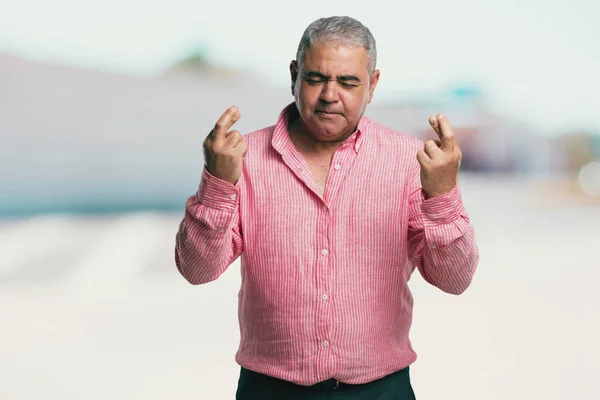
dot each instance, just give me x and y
(223, 150)
(440, 160)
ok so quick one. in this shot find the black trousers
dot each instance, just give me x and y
(255, 386)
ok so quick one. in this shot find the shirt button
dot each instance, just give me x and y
(324, 208)
(324, 297)
(233, 197)
(325, 343)
(324, 252)
(337, 166)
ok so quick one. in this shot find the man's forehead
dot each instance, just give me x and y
(338, 59)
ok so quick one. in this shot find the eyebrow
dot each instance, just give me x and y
(348, 78)
(315, 74)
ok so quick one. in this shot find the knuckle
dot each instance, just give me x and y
(219, 150)
(209, 147)
(431, 144)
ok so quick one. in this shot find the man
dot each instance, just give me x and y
(330, 213)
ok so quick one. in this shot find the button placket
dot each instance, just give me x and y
(323, 281)
(341, 165)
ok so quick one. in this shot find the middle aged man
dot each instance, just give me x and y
(331, 213)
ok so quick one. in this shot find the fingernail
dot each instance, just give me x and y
(440, 117)
(433, 121)
(234, 109)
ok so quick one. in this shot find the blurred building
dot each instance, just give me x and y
(75, 140)
(491, 143)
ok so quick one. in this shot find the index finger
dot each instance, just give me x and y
(229, 117)
(445, 133)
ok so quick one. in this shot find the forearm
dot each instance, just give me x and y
(445, 249)
(208, 239)
(450, 255)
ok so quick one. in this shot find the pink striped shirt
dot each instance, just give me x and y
(324, 290)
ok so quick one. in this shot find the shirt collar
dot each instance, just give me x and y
(281, 138)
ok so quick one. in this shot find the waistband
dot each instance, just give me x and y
(324, 386)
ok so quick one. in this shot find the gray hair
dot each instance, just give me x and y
(339, 30)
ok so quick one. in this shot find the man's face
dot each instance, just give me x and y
(332, 89)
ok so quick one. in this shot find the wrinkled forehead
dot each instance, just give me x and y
(336, 57)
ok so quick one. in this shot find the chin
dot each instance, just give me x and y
(327, 131)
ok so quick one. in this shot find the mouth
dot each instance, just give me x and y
(326, 113)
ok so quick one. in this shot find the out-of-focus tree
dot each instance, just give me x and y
(197, 61)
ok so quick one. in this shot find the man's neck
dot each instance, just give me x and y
(305, 142)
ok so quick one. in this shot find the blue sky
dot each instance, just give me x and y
(538, 60)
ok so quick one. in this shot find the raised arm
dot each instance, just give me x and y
(441, 238)
(209, 238)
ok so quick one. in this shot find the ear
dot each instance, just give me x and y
(373, 83)
(294, 75)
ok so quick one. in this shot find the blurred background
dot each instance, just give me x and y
(103, 110)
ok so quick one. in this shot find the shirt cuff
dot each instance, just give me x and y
(442, 209)
(217, 193)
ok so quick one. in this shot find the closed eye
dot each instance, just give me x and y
(347, 85)
(312, 81)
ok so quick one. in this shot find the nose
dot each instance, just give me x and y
(329, 93)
